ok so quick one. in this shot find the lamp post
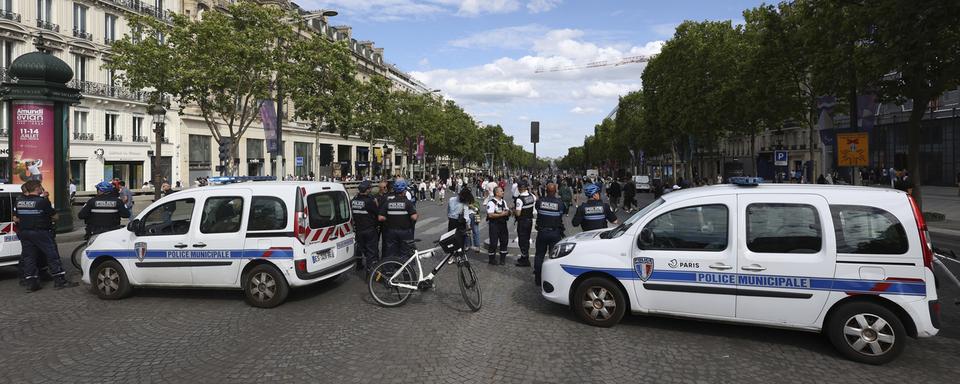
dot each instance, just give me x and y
(159, 114)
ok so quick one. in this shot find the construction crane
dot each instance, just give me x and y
(596, 64)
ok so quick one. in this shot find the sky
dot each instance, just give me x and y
(484, 54)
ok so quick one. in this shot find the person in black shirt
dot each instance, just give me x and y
(594, 214)
(549, 226)
(365, 210)
(524, 209)
(103, 212)
(398, 214)
(35, 216)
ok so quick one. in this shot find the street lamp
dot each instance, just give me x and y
(159, 114)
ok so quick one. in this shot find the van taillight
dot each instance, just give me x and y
(301, 265)
(299, 230)
(925, 242)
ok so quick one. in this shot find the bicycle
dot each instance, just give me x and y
(392, 282)
(77, 255)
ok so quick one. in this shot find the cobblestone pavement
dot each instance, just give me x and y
(333, 333)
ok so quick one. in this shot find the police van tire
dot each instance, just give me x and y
(598, 301)
(265, 287)
(109, 281)
(867, 333)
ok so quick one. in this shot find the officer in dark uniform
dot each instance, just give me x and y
(497, 215)
(593, 214)
(34, 217)
(398, 214)
(523, 209)
(549, 226)
(103, 212)
(365, 211)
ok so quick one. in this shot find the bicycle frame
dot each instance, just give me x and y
(416, 256)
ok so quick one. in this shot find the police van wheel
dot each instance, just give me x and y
(599, 302)
(866, 333)
(110, 281)
(265, 287)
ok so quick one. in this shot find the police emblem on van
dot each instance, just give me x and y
(141, 249)
(644, 267)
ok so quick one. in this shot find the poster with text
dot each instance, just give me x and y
(33, 144)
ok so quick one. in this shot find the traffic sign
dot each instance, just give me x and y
(853, 149)
(299, 161)
(780, 158)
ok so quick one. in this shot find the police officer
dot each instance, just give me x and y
(524, 209)
(365, 211)
(103, 212)
(497, 215)
(398, 215)
(594, 213)
(34, 218)
(549, 226)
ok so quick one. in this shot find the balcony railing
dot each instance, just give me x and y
(145, 9)
(141, 139)
(82, 34)
(9, 15)
(83, 136)
(107, 90)
(113, 137)
(48, 25)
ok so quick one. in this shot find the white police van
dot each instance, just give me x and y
(262, 237)
(852, 262)
(9, 242)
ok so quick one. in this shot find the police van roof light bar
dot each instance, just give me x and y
(239, 179)
(746, 181)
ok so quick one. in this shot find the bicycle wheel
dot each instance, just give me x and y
(385, 293)
(469, 285)
(77, 254)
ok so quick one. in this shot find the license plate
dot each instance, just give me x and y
(319, 256)
(10, 238)
(345, 243)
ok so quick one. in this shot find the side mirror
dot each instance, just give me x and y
(645, 239)
(134, 226)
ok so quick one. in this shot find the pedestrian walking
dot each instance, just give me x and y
(629, 193)
(593, 214)
(365, 220)
(398, 214)
(549, 226)
(126, 195)
(524, 209)
(35, 219)
(566, 195)
(497, 214)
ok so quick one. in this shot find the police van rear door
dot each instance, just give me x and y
(329, 238)
(787, 257)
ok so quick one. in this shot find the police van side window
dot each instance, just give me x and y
(267, 213)
(221, 214)
(868, 230)
(7, 202)
(783, 228)
(171, 218)
(328, 208)
(698, 228)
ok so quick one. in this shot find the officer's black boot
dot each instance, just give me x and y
(61, 282)
(503, 259)
(33, 284)
(493, 259)
(523, 261)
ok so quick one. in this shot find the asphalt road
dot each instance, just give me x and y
(333, 333)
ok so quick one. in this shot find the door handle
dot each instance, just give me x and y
(720, 266)
(199, 245)
(753, 267)
(180, 245)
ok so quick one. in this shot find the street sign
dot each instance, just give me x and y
(780, 158)
(299, 161)
(853, 149)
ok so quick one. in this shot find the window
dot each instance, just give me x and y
(7, 53)
(80, 67)
(45, 10)
(254, 149)
(783, 228)
(305, 152)
(110, 127)
(267, 213)
(7, 202)
(221, 215)
(328, 208)
(699, 228)
(137, 127)
(79, 122)
(868, 230)
(199, 150)
(109, 28)
(171, 218)
(79, 18)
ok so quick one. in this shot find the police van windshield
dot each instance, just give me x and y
(620, 229)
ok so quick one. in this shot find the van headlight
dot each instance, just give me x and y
(561, 250)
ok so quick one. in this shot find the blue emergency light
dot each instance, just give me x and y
(238, 179)
(744, 181)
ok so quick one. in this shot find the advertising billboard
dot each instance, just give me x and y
(33, 144)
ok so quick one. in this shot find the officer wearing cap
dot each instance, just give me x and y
(365, 220)
(523, 209)
(398, 214)
(34, 216)
(102, 213)
(593, 214)
(550, 211)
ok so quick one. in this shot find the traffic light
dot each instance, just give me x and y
(226, 149)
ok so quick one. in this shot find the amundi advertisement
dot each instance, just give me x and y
(32, 135)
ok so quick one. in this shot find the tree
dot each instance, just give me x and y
(223, 65)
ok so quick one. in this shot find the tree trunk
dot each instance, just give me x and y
(913, 147)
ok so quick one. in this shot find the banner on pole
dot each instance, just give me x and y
(268, 114)
(420, 147)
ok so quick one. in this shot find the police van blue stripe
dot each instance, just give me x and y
(206, 254)
(909, 288)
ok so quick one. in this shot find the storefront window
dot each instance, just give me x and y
(199, 151)
(303, 151)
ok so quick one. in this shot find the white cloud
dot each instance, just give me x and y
(581, 110)
(424, 62)
(477, 7)
(537, 6)
(517, 37)
(610, 89)
(664, 30)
